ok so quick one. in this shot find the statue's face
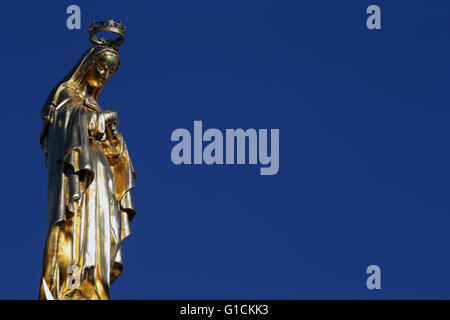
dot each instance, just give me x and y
(102, 69)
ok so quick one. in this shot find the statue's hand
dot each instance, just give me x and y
(111, 117)
(115, 139)
(100, 123)
(114, 131)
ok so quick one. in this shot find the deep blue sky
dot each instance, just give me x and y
(364, 153)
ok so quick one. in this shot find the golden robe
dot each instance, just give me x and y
(89, 201)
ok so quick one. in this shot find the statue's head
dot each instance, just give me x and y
(99, 63)
(95, 68)
(102, 68)
(106, 61)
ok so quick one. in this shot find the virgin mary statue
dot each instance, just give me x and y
(90, 176)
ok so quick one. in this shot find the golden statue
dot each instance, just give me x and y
(90, 176)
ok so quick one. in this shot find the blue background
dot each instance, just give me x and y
(364, 156)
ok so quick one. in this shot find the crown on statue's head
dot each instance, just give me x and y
(107, 26)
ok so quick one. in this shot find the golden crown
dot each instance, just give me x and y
(107, 26)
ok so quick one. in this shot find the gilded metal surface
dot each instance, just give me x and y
(90, 176)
